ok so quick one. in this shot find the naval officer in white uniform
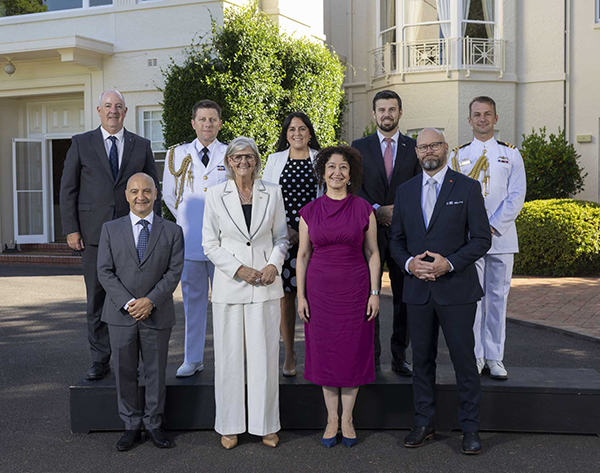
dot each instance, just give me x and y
(499, 167)
(189, 171)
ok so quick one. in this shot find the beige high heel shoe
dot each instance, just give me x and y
(271, 440)
(229, 441)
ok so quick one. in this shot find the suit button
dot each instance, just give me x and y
(205, 178)
(205, 189)
(248, 243)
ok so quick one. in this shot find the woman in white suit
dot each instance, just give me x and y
(292, 166)
(245, 236)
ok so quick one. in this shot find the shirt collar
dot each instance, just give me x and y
(135, 219)
(199, 146)
(487, 144)
(106, 134)
(439, 177)
(394, 137)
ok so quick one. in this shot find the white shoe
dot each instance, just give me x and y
(188, 369)
(497, 369)
(480, 365)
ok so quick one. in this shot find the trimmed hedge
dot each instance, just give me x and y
(558, 237)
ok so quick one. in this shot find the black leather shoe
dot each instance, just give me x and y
(402, 368)
(471, 444)
(159, 439)
(129, 439)
(98, 370)
(418, 436)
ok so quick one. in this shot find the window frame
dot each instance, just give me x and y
(142, 132)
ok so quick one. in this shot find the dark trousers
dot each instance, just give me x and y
(400, 333)
(97, 330)
(127, 344)
(457, 324)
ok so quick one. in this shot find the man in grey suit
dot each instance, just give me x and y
(92, 191)
(140, 259)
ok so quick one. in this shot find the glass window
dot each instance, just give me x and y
(97, 3)
(54, 5)
(597, 11)
(151, 128)
(479, 18)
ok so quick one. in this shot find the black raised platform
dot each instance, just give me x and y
(531, 400)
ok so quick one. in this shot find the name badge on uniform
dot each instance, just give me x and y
(465, 162)
(503, 159)
(220, 167)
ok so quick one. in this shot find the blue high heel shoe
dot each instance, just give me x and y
(330, 442)
(348, 442)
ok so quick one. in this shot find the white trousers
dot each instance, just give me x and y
(255, 327)
(194, 287)
(495, 272)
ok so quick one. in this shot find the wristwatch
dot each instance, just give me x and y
(374, 293)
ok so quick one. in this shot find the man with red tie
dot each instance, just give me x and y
(389, 159)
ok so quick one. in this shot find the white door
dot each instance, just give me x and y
(30, 179)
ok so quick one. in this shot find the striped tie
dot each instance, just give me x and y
(143, 239)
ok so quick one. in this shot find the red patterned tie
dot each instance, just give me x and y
(388, 159)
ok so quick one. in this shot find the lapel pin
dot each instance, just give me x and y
(451, 180)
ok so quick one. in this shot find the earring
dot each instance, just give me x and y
(348, 183)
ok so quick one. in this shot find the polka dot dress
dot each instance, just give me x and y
(299, 187)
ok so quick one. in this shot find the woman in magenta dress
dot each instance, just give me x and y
(338, 287)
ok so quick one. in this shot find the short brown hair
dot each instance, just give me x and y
(205, 104)
(351, 156)
(483, 99)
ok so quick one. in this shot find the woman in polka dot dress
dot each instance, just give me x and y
(292, 167)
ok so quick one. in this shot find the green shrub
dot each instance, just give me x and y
(21, 7)
(258, 75)
(558, 237)
(551, 165)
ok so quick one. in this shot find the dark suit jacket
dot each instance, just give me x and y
(124, 277)
(459, 231)
(375, 188)
(89, 196)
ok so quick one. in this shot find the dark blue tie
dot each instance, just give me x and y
(114, 157)
(143, 239)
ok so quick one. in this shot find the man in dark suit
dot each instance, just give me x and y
(439, 229)
(140, 259)
(388, 160)
(92, 191)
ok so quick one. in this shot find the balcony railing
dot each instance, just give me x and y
(444, 54)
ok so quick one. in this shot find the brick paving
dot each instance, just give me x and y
(567, 304)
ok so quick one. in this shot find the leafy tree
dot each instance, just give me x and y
(552, 167)
(21, 7)
(258, 75)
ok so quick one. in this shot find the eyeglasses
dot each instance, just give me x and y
(237, 158)
(434, 146)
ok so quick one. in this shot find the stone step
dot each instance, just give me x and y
(40, 258)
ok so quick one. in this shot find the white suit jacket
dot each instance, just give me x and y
(229, 245)
(190, 211)
(276, 163)
(506, 191)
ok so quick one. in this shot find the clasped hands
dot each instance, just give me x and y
(257, 278)
(429, 271)
(141, 308)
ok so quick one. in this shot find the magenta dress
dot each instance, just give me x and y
(339, 340)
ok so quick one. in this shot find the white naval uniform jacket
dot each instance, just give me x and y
(190, 212)
(507, 188)
(229, 245)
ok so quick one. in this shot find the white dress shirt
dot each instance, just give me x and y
(199, 147)
(108, 143)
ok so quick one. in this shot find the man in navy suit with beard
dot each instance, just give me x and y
(439, 229)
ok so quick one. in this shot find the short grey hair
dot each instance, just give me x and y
(239, 144)
(142, 174)
(111, 90)
(432, 129)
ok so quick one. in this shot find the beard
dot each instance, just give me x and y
(387, 127)
(432, 163)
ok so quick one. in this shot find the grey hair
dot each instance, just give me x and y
(111, 90)
(239, 144)
(138, 174)
(432, 129)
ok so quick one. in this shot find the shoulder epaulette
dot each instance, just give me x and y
(508, 145)
(462, 146)
(178, 144)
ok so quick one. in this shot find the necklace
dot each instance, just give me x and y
(243, 199)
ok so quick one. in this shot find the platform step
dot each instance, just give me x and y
(549, 400)
(47, 248)
(39, 258)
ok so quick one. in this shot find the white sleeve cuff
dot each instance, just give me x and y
(126, 306)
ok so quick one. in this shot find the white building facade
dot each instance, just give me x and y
(53, 67)
(537, 58)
